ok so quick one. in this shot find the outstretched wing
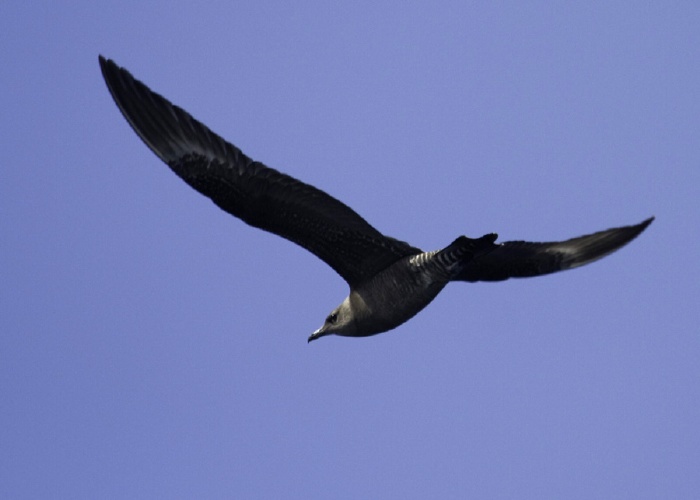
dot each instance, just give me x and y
(256, 194)
(520, 259)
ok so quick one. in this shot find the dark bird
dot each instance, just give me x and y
(390, 281)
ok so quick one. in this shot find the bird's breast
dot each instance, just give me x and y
(395, 295)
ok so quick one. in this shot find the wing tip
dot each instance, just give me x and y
(108, 68)
(644, 224)
(637, 229)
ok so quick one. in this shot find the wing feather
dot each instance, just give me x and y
(521, 259)
(260, 196)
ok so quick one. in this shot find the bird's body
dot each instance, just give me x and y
(399, 292)
(390, 281)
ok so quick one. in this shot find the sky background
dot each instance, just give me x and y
(152, 346)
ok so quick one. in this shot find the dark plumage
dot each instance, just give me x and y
(390, 280)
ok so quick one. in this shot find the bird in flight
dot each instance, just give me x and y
(390, 280)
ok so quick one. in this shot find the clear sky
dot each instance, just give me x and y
(152, 346)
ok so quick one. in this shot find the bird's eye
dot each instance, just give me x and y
(332, 318)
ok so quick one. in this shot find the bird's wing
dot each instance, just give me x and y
(520, 259)
(258, 195)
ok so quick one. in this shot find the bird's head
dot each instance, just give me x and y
(340, 321)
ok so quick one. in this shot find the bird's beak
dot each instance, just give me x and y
(317, 334)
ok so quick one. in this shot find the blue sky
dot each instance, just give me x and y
(153, 346)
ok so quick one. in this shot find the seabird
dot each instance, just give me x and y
(390, 280)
